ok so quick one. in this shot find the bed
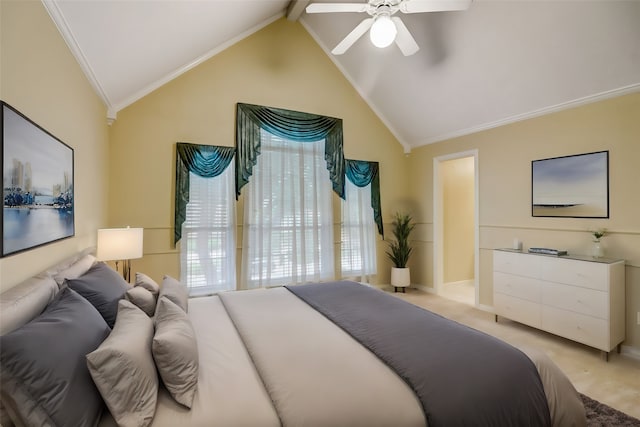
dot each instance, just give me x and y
(326, 354)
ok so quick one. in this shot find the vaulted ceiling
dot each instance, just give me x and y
(497, 62)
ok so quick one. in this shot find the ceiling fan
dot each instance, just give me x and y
(386, 28)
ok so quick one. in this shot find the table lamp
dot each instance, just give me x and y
(120, 244)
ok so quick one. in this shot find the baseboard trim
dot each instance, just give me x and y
(423, 288)
(487, 308)
(460, 282)
(629, 351)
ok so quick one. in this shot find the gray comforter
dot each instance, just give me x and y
(461, 376)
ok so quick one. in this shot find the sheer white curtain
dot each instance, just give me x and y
(358, 250)
(288, 224)
(208, 243)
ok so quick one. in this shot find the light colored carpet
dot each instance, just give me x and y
(615, 383)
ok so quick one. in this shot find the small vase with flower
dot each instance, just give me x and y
(597, 250)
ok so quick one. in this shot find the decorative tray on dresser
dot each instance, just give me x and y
(577, 297)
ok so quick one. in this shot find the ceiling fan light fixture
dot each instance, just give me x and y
(383, 31)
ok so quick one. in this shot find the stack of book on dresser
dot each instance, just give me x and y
(547, 251)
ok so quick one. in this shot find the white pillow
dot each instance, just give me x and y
(148, 283)
(175, 351)
(143, 299)
(123, 370)
(75, 270)
(176, 291)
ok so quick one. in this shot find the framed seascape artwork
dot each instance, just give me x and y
(571, 186)
(37, 185)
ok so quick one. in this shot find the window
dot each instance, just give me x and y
(288, 224)
(208, 248)
(358, 233)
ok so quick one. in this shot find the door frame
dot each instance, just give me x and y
(438, 223)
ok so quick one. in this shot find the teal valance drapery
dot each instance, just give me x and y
(362, 173)
(207, 161)
(292, 125)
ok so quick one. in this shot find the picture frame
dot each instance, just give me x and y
(575, 186)
(37, 184)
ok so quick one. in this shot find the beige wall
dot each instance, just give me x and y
(40, 77)
(282, 66)
(458, 187)
(504, 166)
(279, 66)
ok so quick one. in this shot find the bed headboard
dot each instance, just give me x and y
(25, 301)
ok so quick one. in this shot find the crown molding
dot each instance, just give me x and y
(625, 90)
(208, 55)
(61, 23)
(53, 9)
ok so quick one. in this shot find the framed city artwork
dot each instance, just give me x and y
(37, 190)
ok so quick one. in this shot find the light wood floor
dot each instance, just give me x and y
(615, 383)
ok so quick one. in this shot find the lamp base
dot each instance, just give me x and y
(126, 269)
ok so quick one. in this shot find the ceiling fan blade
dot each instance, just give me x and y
(404, 39)
(352, 37)
(336, 7)
(418, 6)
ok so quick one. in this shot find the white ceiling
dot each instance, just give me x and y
(498, 62)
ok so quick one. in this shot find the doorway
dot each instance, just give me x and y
(456, 248)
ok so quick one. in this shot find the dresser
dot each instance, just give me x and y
(579, 298)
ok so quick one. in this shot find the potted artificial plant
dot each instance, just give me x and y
(400, 250)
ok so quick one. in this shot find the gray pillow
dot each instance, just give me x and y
(43, 372)
(175, 351)
(103, 287)
(25, 301)
(143, 299)
(123, 369)
(148, 283)
(176, 292)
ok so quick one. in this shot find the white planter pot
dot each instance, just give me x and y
(400, 277)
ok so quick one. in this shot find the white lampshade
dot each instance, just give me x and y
(119, 244)
(383, 31)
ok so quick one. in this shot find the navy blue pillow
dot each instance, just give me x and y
(43, 369)
(103, 287)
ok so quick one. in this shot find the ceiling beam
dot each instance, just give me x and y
(295, 9)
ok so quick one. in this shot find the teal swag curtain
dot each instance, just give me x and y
(362, 173)
(292, 125)
(207, 161)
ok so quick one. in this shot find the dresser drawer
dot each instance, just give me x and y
(591, 275)
(573, 296)
(517, 286)
(580, 300)
(517, 309)
(578, 327)
(514, 263)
